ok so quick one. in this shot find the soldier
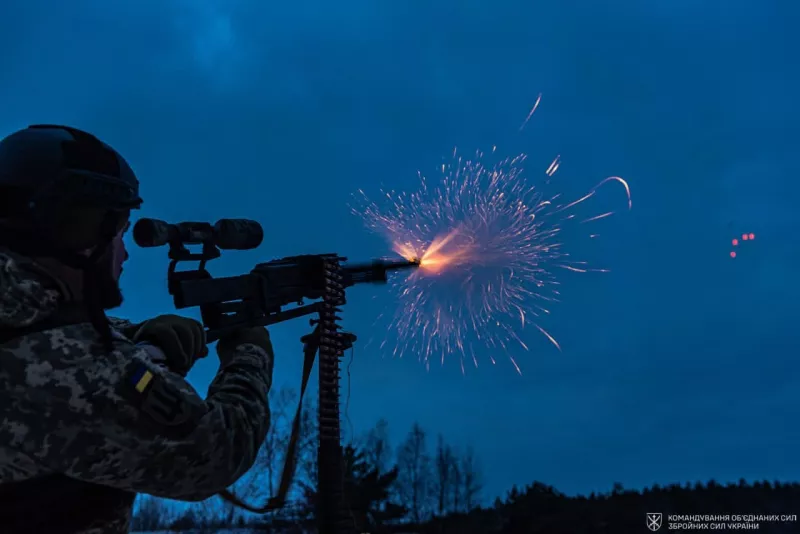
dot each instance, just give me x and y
(87, 417)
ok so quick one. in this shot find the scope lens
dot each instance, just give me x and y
(151, 233)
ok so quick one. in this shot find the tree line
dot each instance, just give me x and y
(428, 486)
(384, 486)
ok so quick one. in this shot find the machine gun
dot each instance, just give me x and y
(260, 298)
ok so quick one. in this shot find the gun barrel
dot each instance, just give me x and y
(394, 265)
(376, 271)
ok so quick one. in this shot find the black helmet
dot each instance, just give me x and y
(58, 185)
(48, 167)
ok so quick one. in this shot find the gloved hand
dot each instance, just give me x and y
(182, 340)
(257, 336)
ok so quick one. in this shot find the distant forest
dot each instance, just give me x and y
(427, 486)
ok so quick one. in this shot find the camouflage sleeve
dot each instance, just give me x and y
(118, 419)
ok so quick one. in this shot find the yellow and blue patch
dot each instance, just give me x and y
(141, 378)
(162, 401)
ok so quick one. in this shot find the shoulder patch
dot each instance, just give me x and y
(140, 378)
(162, 401)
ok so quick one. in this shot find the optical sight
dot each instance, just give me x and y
(226, 234)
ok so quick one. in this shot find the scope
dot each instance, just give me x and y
(226, 234)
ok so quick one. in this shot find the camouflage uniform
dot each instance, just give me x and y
(82, 430)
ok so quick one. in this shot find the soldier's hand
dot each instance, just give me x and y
(258, 336)
(182, 340)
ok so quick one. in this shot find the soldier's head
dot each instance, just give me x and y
(67, 196)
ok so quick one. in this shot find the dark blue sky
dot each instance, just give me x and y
(681, 364)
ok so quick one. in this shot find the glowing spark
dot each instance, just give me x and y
(551, 170)
(488, 245)
(598, 217)
(530, 114)
(552, 340)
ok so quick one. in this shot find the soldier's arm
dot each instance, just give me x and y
(122, 421)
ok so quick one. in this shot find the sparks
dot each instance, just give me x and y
(531, 112)
(489, 248)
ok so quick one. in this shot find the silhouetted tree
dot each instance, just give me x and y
(366, 492)
(456, 483)
(471, 478)
(443, 480)
(377, 449)
(414, 474)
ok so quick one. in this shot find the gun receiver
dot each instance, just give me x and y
(256, 298)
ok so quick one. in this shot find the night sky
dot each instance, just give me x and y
(681, 364)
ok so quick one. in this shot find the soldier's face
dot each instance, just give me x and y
(119, 254)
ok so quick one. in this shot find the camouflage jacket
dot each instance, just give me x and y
(80, 423)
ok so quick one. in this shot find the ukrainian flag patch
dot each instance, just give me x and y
(141, 378)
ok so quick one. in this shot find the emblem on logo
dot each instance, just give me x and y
(653, 521)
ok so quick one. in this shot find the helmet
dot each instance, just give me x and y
(47, 166)
(51, 174)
